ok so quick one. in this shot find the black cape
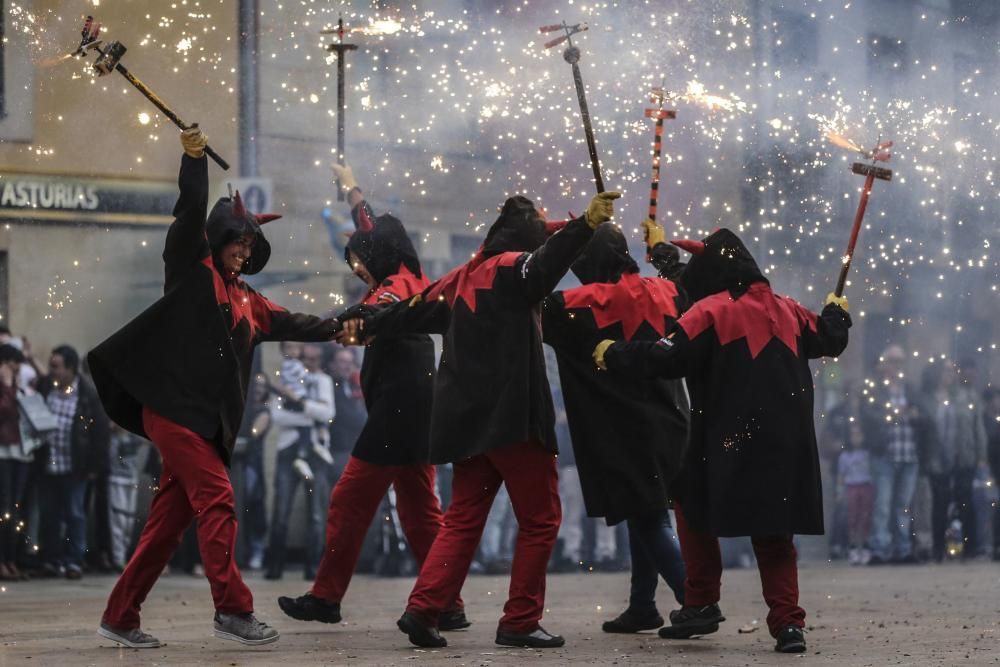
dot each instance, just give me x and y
(752, 466)
(397, 374)
(492, 390)
(188, 356)
(628, 434)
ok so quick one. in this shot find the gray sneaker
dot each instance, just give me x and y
(134, 638)
(244, 628)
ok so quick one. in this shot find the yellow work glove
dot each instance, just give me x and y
(194, 141)
(599, 351)
(601, 208)
(653, 233)
(837, 301)
(346, 176)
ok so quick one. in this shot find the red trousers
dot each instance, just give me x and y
(194, 483)
(529, 472)
(776, 562)
(353, 504)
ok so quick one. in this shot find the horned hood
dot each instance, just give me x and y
(228, 220)
(605, 258)
(718, 262)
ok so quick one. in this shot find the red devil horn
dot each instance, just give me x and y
(364, 221)
(264, 218)
(693, 247)
(239, 211)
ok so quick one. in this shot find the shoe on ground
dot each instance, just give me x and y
(308, 607)
(689, 622)
(420, 633)
(302, 467)
(854, 557)
(244, 628)
(74, 572)
(790, 640)
(866, 557)
(273, 574)
(134, 638)
(628, 622)
(539, 638)
(453, 620)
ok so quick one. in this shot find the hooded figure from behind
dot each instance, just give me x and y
(628, 436)
(752, 466)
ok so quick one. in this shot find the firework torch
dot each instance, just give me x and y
(572, 56)
(341, 49)
(110, 61)
(870, 172)
(660, 114)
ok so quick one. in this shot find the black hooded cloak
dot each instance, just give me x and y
(492, 390)
(752, 466)
(188, 356)
(628, 435)
(397, 374)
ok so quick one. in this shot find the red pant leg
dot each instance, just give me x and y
(169, 516)
(199, 468)
(779, 578)
(353, 504)
(474, 487)
(703, 559)
(419, 512)
(532, 480)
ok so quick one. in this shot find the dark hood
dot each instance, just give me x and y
(605, 258)
(724, 263)
(225, 225)
(383, 248)
(518, 229)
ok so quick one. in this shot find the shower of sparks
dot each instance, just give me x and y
(774, 101)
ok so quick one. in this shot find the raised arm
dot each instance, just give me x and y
(186, 243)
(535, 275)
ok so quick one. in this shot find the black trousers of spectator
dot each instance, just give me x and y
(955, 486)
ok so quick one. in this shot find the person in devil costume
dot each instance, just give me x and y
(628, 436)
(178, 375)
(752, 467)
(492, 416)
(397, 379)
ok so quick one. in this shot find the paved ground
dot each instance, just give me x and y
(924, 615)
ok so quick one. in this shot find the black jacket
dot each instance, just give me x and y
(397, 374)
(187, 357)
(628, 434)
(752, 466)
(491, 389)
(90, 439)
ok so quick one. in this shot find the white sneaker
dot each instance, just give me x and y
(853, 557)
(866, 556)
(302, 467)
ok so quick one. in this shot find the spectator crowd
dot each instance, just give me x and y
(911, 469)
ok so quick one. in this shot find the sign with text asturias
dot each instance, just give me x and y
(63, 200)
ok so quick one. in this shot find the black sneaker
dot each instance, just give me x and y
(134, 638)
(691, 621)
(420, 633)
(453, 620)
(629, 621)
(310, 608)
(790, 640)
(537, 639)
